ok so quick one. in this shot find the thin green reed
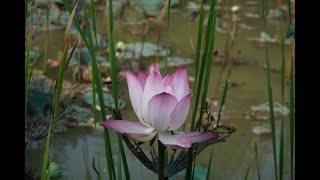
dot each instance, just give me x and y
(91, 44)
(246, 174)
(93, 86)
(206, 62)
(208, 71)
(204, 59)
(184, 6)
(99, 169)
(272, 118)
(119, 165)
(225, 90)
(291, 117)
(209, 166)
(197, 59)
(224, 95)
(112, 57)
(98, 82)
(289, 12)
(168, 26)
(199, 43)
(27, 74)
(255, 149)
(281, 150)
(56, 100)
(26, 3)
(93, 19)
(253, 157)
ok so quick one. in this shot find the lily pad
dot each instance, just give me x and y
(108, 100)
(132, 50)
(261, 112)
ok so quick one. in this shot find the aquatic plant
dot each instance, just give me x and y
(162, 105)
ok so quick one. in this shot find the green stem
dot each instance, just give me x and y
(161, 156)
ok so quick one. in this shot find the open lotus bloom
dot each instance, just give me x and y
(162, 105)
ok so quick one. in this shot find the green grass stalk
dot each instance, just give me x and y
(272, 118)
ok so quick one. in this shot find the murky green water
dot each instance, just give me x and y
(73, 150)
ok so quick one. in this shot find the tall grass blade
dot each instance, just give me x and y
(98, 82)
(291, 119)
(199, 43)
(93, 81)
(27, 74)
(281, 150)
(209, 167)
(57, 93)
(246, 174)
(124, 159)
(207, 75)
(26, 3)
(289, 12)
(206, 62)
(112, 56)
(255, 149)
(93, 19)
(254, 156)
(168, 25)
(224, 95)
(272, 118)
(119, 165)
(96, 72)
(99, 168)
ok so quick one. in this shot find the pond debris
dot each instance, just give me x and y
(252, 15)
(266, 38)
(261, 129)
(262, 111)
(252, 2)
(132, 50)
(274, 14)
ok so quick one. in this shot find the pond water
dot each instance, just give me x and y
(74, 149)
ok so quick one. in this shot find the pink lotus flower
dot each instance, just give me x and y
(162, 105)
